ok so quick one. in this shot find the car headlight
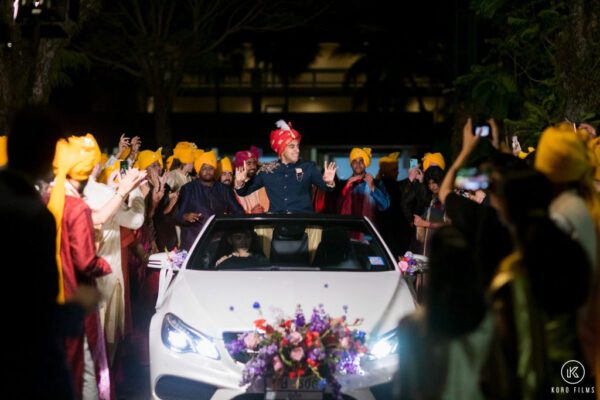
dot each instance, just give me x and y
(385, 345)
(181, 338)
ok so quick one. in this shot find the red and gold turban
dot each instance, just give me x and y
(242, 156)
(282, 136)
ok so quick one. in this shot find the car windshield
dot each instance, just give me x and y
(313, 245)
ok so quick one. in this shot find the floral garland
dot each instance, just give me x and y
(294, 348)
(410, 265)
(177, 257)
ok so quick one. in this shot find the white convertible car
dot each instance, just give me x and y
(278, 261)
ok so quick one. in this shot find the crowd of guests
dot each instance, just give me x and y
(513, 287)
(513, 290)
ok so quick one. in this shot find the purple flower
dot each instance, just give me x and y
(179, 257)
(300, 320)
(256, 305)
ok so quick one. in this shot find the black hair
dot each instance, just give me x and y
(455, 300)
(175, 164)
(555, 263)
(435, 174)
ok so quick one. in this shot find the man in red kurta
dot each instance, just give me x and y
(78, 262)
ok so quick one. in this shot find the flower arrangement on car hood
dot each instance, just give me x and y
(296, 348)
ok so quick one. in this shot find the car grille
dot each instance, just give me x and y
(229, 337)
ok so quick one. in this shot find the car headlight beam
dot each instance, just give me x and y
(385, 345)
(181, 338)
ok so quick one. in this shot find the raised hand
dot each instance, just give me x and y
(123, 145)
(495, 133)
(132, 179)
(241, 176)
(329, 170)
(136, 144)
(415, 173)
(469, 140)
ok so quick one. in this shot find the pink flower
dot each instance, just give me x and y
(251, 340)
(295, 338)
(297, 353)
(403, 266)
(277, 364)
(346, 343)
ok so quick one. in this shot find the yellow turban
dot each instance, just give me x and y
(207, 157)
(74, 158)
(169, 162)
(562, 156)
(594, 146)
(126, 153)
(224, 166)
(431, 159)
(523, 155)
(364, 153)
(3, 153)
(108, 170)
(388, 163)
(148, 157)
(197, 153)
(184, 151)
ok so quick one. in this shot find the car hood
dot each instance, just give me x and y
(214, 302)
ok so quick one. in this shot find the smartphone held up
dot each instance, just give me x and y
(484, 130)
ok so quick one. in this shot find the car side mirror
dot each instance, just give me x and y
(159, 261)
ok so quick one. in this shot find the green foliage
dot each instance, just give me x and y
(66, 64)
(521, 80)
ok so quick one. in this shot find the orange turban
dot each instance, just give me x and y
(207, 157)
(224, 166)
(74, 158)
(282, 136)
(3, 153)
(364, 153)
(431, 159)
(148, 157)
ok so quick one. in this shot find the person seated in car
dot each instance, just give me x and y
(243, 250)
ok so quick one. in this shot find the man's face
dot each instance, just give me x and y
(207, 173)
(291, 154)
(226, 178)
(251, 167)
(358, 166)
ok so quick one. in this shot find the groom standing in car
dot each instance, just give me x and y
(288, 181)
